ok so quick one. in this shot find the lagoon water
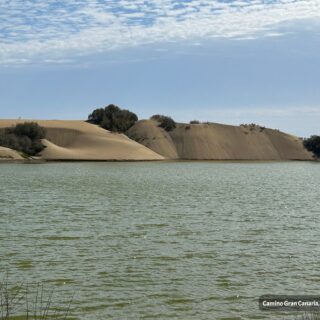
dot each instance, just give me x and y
(176, 240)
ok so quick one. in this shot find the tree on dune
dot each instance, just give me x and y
(113, 118)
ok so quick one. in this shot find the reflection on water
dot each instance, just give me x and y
(191, 240)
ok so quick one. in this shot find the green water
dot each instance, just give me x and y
(190, 240)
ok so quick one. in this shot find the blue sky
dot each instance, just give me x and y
(222, 61)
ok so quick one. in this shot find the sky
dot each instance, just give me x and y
(227, 61)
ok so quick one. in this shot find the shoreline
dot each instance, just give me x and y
(44, 161)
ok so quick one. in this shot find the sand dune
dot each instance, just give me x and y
(149, 134)
(219, 142)
(9, 154)
(79, 140)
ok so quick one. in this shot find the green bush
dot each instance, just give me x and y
(194, 122)
(113, 118)
(24, 137)
(313, 144)
(165, 122)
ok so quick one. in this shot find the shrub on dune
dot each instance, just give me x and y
(24, 137)
(165, 122)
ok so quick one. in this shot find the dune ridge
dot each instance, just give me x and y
(218, 142)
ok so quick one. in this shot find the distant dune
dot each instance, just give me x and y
(9, 154)
(218, 142)
(79, 140)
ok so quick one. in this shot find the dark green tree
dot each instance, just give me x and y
(313, 144)
(96, 116)
(113, 118)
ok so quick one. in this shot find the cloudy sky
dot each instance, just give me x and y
(212, 60)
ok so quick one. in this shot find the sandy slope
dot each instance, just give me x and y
(219, 142)
(79, 140)
(9, 154)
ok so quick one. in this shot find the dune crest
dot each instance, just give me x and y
(219, 142)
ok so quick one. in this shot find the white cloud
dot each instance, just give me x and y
(37, 30)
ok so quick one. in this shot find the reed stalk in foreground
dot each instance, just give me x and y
(15, 303)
